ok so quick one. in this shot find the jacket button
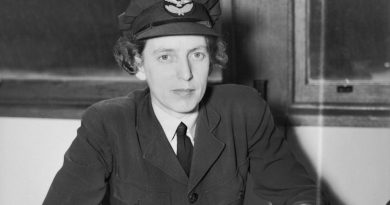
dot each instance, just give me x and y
(192, 197)
(241, 194)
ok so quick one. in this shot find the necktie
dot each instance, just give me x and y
(184, 148)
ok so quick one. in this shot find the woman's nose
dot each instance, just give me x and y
(184, 70)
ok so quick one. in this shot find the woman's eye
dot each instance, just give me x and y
(164, 58)
(198, 55)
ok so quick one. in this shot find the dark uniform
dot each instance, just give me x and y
(121, 146)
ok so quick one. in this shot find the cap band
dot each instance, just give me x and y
(159, 23)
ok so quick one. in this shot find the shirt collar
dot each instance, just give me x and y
(169, 123)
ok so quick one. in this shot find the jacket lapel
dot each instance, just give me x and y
(154, 145)
(207, 147)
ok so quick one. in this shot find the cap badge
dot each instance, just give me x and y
(178, 7)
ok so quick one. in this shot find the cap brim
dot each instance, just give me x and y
(177, 28)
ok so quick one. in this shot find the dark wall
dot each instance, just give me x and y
(64, 35)
(43, 34)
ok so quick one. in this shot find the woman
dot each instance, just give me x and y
(178, 141)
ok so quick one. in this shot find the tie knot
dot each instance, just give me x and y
(181, 130)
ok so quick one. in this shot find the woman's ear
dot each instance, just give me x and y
(140, 75)
(140, 68)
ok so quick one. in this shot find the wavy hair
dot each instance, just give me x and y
(127, 48)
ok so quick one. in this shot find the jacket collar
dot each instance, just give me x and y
(157, 150)
(207, 147)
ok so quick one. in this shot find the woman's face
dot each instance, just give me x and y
(176, 70)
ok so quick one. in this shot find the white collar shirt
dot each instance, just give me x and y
(170, 123)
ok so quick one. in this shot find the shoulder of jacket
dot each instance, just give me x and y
(112, 106)
(235, 94)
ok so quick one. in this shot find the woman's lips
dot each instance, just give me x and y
(183, 92)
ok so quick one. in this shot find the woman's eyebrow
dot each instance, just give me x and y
(160, 50)
(198, 48)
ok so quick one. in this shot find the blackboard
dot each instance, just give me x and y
(58, 35)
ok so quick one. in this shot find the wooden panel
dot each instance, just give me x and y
(263, 47)
(59, 96)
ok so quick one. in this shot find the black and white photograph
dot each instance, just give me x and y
(195, 102)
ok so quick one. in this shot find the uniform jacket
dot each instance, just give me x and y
(121, 151)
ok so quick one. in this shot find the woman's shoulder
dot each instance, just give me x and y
(234, 95)
(118, 105)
